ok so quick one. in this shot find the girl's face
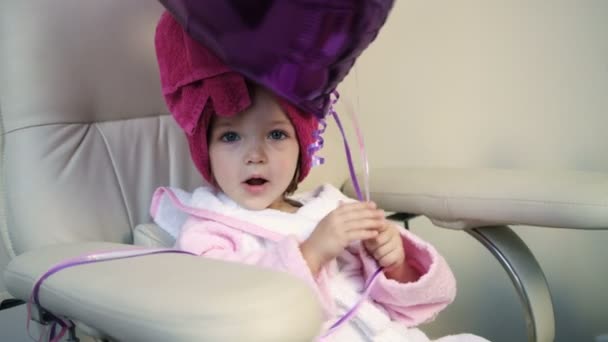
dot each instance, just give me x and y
(254, 154)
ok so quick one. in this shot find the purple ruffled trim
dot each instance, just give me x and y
(318, 144)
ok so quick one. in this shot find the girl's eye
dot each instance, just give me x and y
(277, 135)
(229, 137)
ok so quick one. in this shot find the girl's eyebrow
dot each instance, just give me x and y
(225, 124)
(280, 122)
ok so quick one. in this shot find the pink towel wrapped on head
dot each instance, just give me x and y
(191, 75)
(196, 85)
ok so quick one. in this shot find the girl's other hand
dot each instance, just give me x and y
(387, 249)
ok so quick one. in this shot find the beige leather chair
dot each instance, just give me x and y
(86, 140)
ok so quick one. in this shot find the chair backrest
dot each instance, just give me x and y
(86, 134)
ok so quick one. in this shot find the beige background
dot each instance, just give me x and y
(513, 84)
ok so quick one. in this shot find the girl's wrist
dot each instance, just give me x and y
(312, 259)
(403, 273)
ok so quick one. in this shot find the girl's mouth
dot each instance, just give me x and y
(256, 181)
(255, 185)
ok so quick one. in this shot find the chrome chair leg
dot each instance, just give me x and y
(527, 277)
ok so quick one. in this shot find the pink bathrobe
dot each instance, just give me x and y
(210, 224)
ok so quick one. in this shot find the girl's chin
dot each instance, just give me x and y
(255, 203)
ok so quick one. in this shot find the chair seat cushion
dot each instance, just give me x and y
(151, 235)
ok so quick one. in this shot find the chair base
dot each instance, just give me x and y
(527, 276)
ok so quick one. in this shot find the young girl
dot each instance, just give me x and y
(253, 148)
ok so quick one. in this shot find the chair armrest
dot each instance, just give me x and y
(484, 201)
(169, 297)
(468, 198)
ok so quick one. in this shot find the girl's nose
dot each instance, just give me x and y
(256, 154)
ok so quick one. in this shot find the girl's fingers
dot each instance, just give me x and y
(357, 211)
(355, 206)
(391, 259)
(364, 224)
(361, 214)
(382, 238)
(386, 248)
(364, 234)
(386, 226)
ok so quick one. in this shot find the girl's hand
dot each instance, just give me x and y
(387, 248)
(345, 224)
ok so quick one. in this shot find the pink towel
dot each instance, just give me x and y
(197, 84)
(191, 74)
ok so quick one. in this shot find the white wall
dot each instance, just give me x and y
(510, 84)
